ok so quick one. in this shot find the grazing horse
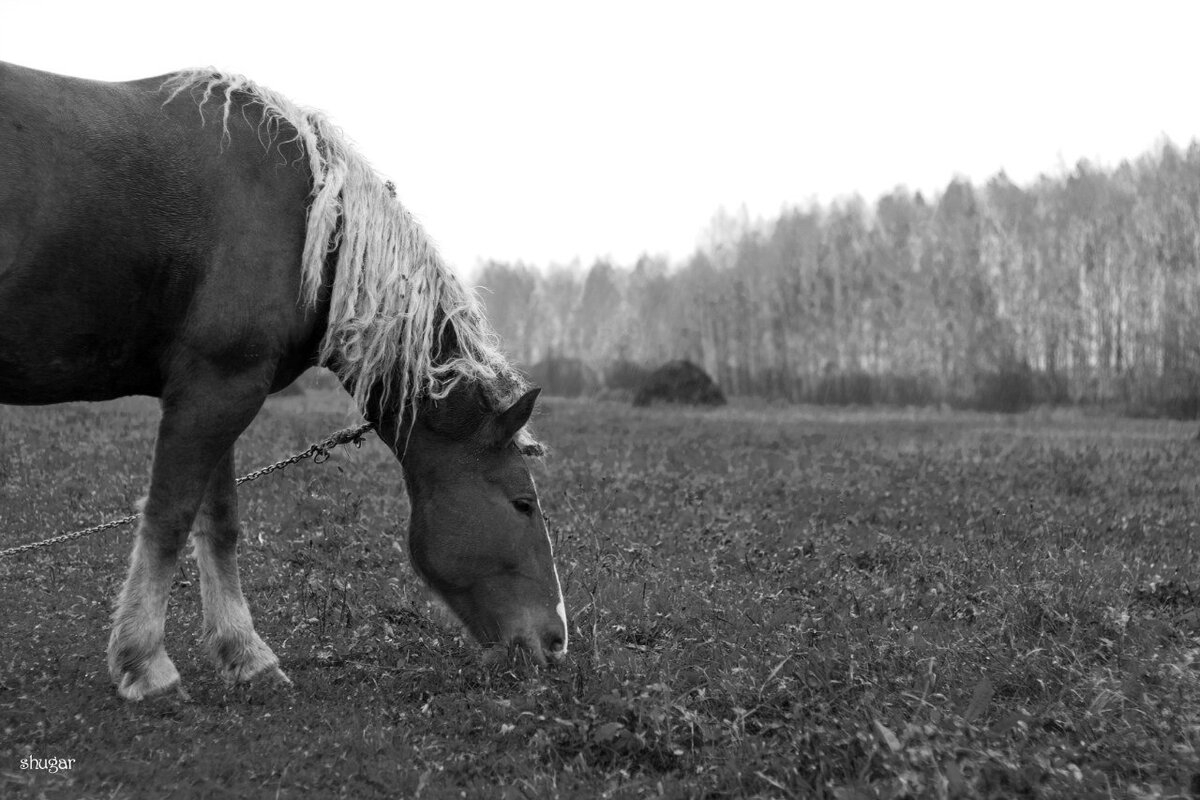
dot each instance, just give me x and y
(199, 238)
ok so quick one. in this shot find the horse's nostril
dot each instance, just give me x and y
(553, 643)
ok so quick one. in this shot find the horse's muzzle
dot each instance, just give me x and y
(543, 643)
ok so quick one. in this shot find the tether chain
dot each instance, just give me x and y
(318, 452)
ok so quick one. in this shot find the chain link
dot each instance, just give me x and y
(319, 452)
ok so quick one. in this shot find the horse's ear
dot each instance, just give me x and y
(510, 421)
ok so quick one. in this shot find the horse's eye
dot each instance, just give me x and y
(523, 506)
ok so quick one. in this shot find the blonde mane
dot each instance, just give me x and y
(392, 294)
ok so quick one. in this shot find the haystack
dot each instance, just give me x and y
(679, 382)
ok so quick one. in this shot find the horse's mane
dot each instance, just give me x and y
(393, 296)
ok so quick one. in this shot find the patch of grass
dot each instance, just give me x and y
(780, 602)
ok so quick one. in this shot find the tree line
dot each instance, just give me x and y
(1078, 288)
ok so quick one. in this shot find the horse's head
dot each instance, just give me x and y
(477, 534)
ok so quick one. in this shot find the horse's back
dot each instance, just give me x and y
(131, 226)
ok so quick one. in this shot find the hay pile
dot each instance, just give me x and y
(679, 382)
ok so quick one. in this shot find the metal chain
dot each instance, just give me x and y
(318, 451)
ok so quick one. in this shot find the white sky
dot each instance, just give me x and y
(552, 131)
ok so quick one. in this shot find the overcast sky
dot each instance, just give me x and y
(547, 132)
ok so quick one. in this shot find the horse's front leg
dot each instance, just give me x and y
(204, 411)
(229, 634)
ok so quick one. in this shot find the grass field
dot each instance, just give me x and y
(763, 602)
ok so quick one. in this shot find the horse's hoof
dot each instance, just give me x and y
(159, 677)
(248, 662)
